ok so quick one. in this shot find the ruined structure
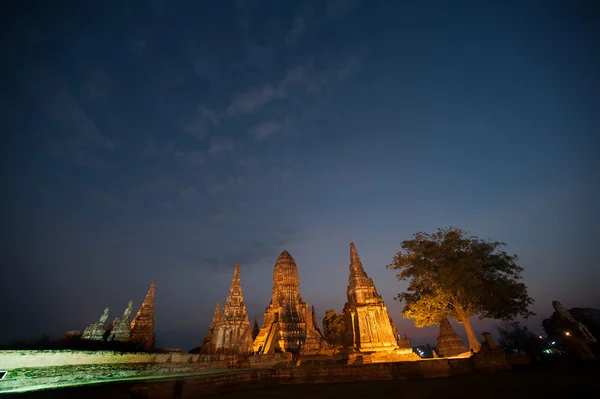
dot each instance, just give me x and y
(121, 326)
(369, 328)
(577, 336)
(142, 326)
(288, 322)
(231, 328)
(95, 331)
(449, 343)
(206, 345)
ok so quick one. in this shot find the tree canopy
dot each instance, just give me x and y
(450, 272)
(334, 328)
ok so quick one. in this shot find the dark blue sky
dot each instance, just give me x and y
(169, 139)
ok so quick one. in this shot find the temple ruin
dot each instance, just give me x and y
(95, 331)
(449, 343)
(142, 326)
(230, 330)
(369, 328)
(121, 326)
(288, 324)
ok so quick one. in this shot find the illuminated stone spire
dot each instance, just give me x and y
(449, 343)
(287, 324)
(359, 283)
(286, 284)
(368, 325)
(217, 314)
(142, 326)
(232, 328)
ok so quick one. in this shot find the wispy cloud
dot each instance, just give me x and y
(98, 85)
(297, 30)
(339, 8)
(80, 134)
(229, 183)
(220, 146)
(190, 193)
(246, 162)
(264, 130)
(209, 114)
(199, 128)
(190, 158)
(253, 99)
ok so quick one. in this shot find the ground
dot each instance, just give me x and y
(532, 382)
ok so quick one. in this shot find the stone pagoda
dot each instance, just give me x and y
(449, 343)
(142, 326)
(95, 331)
(121, 326)
(288, 323)
(369, 328)
(231, 329)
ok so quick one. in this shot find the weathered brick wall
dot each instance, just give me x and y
(274, 360)
(49, 358)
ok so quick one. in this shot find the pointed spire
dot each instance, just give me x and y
(235, 282)
(142, 326)
(356, 266)
(217, 314)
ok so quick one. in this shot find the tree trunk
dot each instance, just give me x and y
(473, 342)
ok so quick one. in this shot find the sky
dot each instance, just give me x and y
(167, 140)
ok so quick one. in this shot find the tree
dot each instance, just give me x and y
(514, 337)
(334, 328)
(463, 276)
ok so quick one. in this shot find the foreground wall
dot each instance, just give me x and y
(46, 358)
(195, 384)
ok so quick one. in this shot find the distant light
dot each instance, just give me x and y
(567, 333)
(553, 343)
(540, 337)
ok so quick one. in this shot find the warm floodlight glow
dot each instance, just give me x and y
(568, 334)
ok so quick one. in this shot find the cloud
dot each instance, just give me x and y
(78, 136)
(209, 114)
(58, 103)
(298, 29)
(253, 99)
(229, 183)
(264, 130)
(98, 86)
(198, 128)
(189, 193)
(339, 8)
(220, 145)
(304, 17)
(246, 162)
(150, 149)
(190, 158)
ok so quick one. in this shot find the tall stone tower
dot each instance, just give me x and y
(142, 326)
(368, 325)
(231, 329)
(288, 323)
